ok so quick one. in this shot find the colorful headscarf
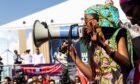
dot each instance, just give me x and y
(108, 15)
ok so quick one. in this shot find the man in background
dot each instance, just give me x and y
(27, 57)
(18, 59)
(38, 57)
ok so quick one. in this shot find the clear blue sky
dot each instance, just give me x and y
(11, 10)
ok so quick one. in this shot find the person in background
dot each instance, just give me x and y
(27, 57)
(65, 77)
(29, 81)
(14, 81)
(38, 57)
(18, 59)
(1, 67)
(40, 78)
(111, 45)
(46, 79)
(52, 81)
(60, 55)
(77, 80)
(7, 80)
(131, 10)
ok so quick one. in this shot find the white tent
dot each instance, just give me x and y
(70, 11)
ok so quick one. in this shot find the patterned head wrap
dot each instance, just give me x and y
(108, 15)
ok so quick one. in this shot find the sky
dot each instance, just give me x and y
(11, 10)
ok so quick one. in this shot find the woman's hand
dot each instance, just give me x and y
(65, 47)
(72, 51)
(98, 37)
(90, 24)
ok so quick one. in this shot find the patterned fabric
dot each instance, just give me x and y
(107, 70)
(108, 15)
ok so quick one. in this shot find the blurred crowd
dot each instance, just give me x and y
(39, 80)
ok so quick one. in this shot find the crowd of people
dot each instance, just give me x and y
(40, 80)
(22, 59)
(21, 77)
(28, 58)
(33, 80)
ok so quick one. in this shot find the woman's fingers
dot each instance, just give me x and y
(101, 39)
(72, 51)
(94, 37)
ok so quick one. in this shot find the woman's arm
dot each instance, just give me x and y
(121, 55)
(85, 69)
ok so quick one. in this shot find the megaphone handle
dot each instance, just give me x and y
(69, 38)
(70, 34)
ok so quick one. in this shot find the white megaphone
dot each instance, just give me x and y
(42, 32)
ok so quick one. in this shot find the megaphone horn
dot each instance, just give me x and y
(40, 33)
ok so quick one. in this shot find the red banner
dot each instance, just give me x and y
(41, 69)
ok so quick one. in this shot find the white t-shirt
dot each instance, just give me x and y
(38, 59)
(27, 59)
